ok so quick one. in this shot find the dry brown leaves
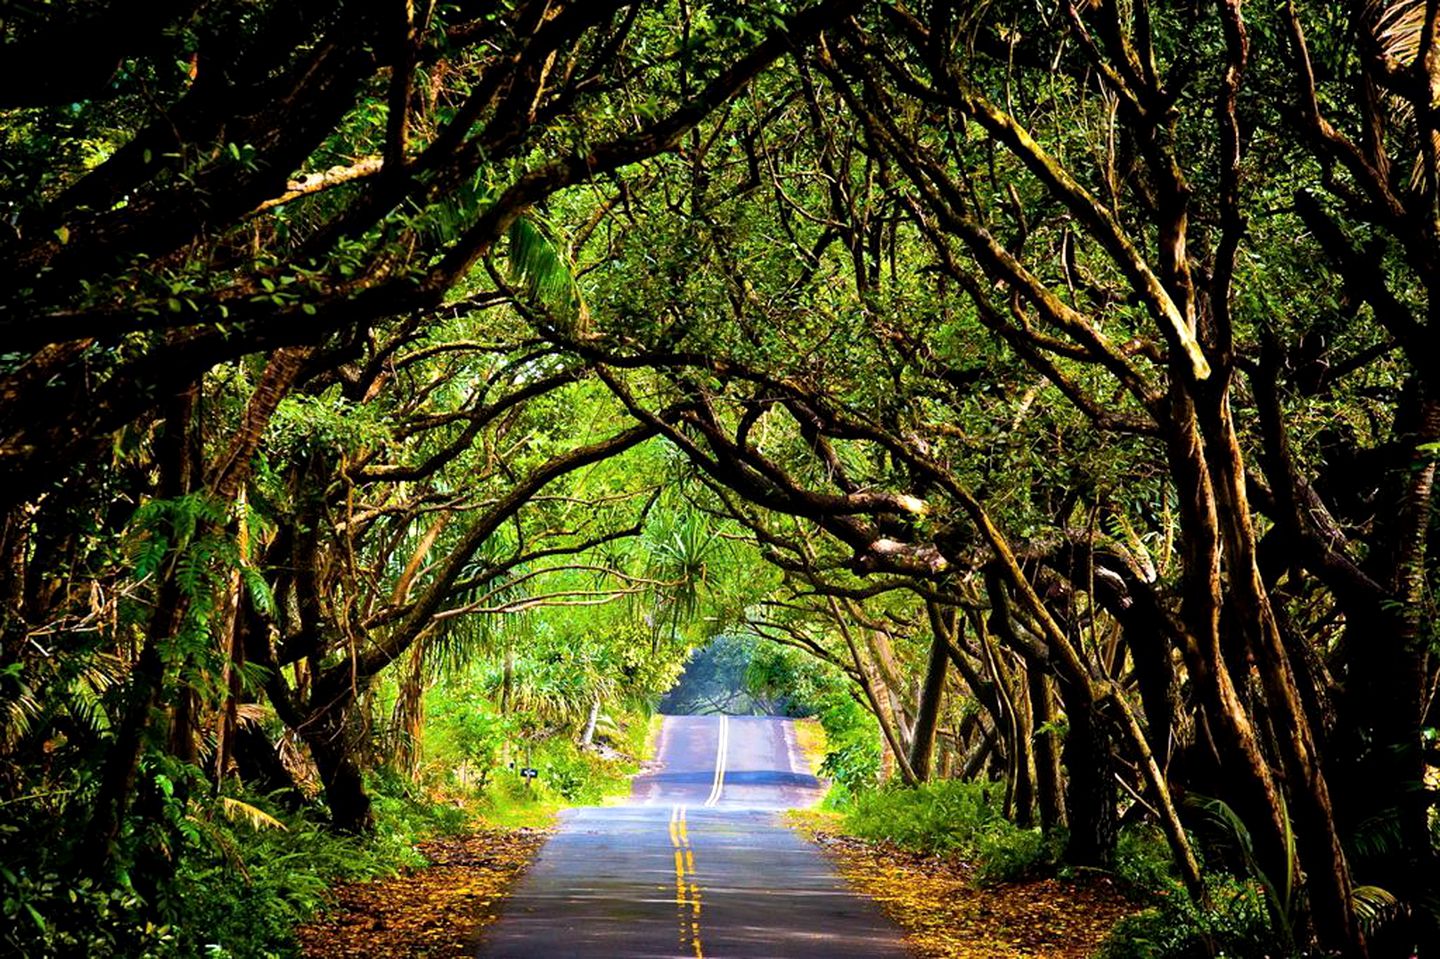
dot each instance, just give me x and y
(946, 914)
(436, 911)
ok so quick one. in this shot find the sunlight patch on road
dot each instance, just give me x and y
(718, 785)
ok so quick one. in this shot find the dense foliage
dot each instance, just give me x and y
(1040, 394)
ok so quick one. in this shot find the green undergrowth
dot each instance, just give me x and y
(566, 777)
(473, 748)
(966, 819)
(488, 774)
(249, 905)
(235, 874)
(1236, 920)
(948, 816)
(245, 871)
(1234, 923)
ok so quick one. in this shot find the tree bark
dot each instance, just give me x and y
(1090, 792)
(1316, 838)
(328, 738)
(1048, 778)
(587, 738)
(932, 693)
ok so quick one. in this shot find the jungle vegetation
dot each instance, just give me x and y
(1044, 392)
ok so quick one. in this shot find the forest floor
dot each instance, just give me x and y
(435, 911)
(947, 914)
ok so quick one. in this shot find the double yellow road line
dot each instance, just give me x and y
(687, 891)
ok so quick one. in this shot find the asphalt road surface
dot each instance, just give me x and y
(696, 865)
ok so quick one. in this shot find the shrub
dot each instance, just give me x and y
(935, 817)
(1143, 861)
(1008, 854)
(245, 872)
(1234, 923)
(953, 816)
(851, 768)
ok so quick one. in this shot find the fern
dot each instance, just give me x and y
(1280, 897)
(150, 554)
(259, 590)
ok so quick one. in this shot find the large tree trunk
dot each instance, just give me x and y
(1090, 792)
(932, 693)
(147, 677)
(1247, 783)
(330, 747)
(1316, 838)
(1048, 779)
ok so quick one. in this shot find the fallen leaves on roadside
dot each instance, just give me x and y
(434, 911)
(946, 914)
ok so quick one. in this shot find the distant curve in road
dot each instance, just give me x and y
(696, 865)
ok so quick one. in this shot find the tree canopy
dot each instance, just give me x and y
(1042, 392)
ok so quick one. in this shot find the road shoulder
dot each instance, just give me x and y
(946, 914)
(436, 910)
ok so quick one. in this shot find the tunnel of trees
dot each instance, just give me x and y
(1055, 381)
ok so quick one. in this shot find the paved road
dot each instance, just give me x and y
(696, 865)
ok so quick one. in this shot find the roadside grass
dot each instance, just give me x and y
(652, 737)
(567, 778)
(518, 811)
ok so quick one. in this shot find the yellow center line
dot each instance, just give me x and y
(687, 894)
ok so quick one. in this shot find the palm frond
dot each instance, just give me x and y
(1396, 26)
(544, 274)
(1395, 29)
(1230, 828)
(236, 810)
(1374, 907)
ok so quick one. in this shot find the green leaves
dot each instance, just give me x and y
(543, 271)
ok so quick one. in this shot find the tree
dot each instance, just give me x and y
(229, 268)
(1064, 213)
